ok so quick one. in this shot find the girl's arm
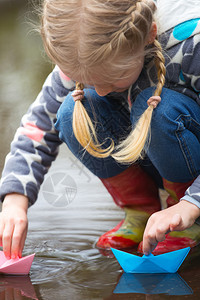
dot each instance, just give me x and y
(36, 141)
(183, 214)
(33, 149)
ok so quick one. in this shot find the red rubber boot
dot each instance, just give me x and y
(137, 193)
(177, 239)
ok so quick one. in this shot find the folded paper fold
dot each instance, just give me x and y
(17, 266)
(164, 263)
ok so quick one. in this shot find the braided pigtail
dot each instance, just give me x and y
(131, 148)
(83, 128)
(160, 66)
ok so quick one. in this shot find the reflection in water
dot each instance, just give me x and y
(67, 264)
(169, 284)
(14, 287)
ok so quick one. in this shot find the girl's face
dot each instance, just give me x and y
(127, 79)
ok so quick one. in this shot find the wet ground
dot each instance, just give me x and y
(67, 219)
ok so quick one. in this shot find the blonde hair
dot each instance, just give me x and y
(84, 37)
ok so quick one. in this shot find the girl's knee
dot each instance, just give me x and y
(64, 118)
(140, 104)
(98, 109)
(172, 105)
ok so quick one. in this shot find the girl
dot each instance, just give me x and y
(114, 48)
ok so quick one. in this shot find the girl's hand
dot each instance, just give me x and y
(175, 218)
(13, 225)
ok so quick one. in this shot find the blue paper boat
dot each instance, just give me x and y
(163, 263)
(152, 284)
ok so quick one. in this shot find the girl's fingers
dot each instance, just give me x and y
(176, 222)
(1, 232)
(21, 246)
(17, 237)
(7, 239)
(154, 233)
(160, 235)
(161, 230)
(149, 242)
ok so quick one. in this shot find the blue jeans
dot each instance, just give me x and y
(174, 149)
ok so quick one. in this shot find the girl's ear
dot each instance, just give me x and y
(152, 34)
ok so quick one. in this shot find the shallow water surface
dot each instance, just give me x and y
(73, 207)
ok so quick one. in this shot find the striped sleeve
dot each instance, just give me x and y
(192, 194)
(36, 142)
